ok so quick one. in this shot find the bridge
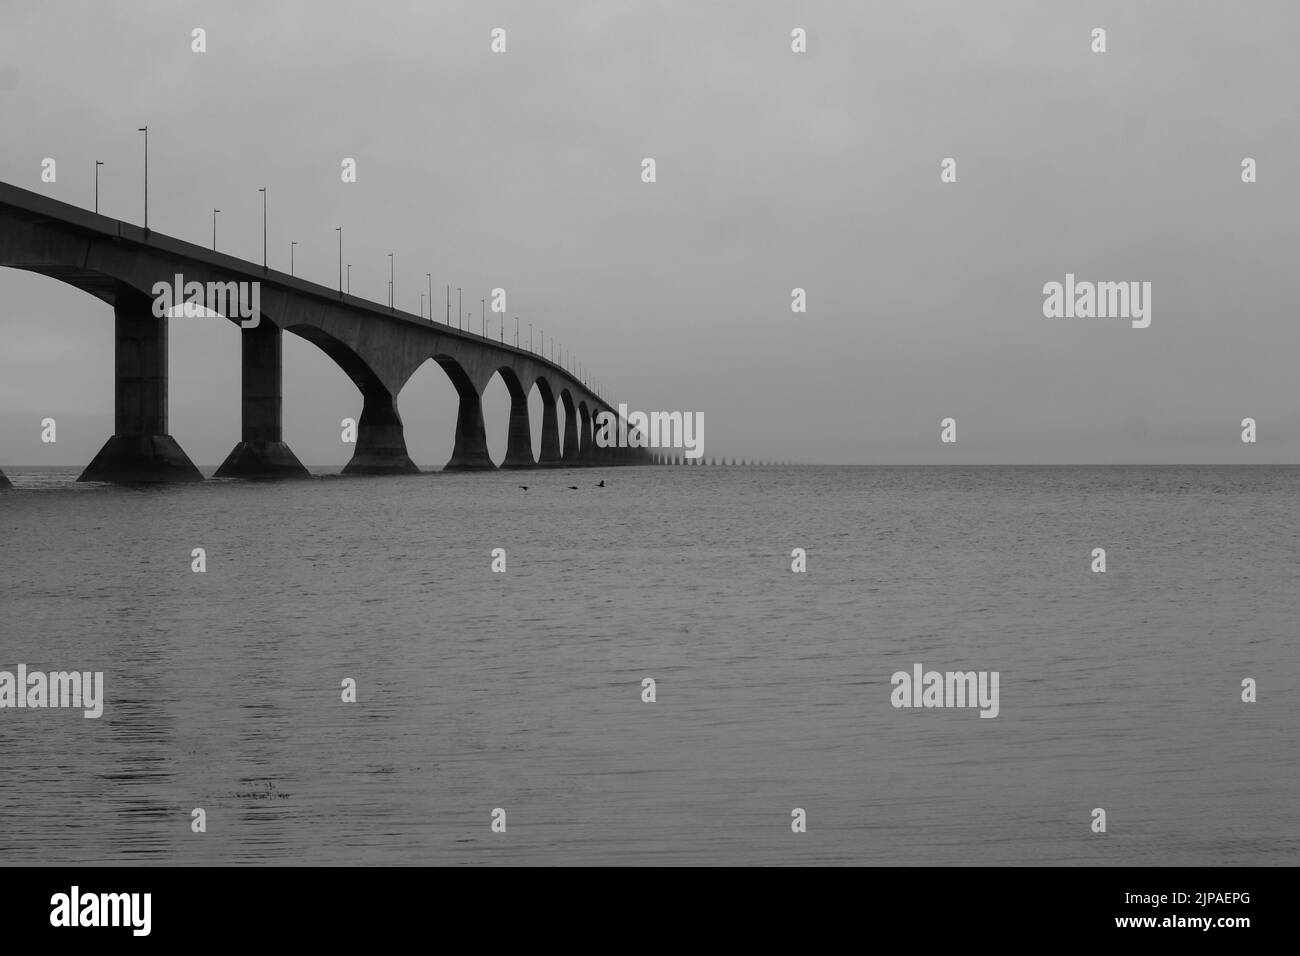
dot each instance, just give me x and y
(379, 349)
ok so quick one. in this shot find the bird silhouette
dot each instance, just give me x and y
(602, 483)
(525, 487)
(573, 487)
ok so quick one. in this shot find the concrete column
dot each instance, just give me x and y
(570, 452)
(587, 453)
(550, 456)
(601, 456)
(262, 453)
(140, 449)
(471, 451)
(381, 441)
(519, 446)
(5, 483)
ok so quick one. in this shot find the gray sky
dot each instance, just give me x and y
(775, 170)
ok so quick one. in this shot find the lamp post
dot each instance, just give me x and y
(291, 245)
(421, 305)
(349, 278)
(262, 190)
(145, 130)
(516, 331)
(482, 317)
(392, 286)
(339, 230)
(214, 229)
(429, 276)
(459, 311)
(97, 165)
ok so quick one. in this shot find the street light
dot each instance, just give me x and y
(516, 331)
(97, 165)
(214, 229)
(459, 311)
(291, 245)
(429, 276)
(392, 288)
(530, 336)
(339, 230)
(482, 317)
(262, 190)
(421, 305)
(349, 278)
(145, 130)
(448, 305)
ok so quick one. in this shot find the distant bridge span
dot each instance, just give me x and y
(379, 349)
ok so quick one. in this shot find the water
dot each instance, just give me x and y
(523, 690)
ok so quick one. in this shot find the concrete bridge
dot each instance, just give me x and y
(379, 349)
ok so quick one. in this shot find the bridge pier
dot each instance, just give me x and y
(140, 449)
(599, 456)
(586, 452)
(262, 452)
(570, 452)
(381, 440)
(471, 451)
(550, 455)
(519, 447)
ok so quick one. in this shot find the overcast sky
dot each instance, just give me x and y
(775, 170)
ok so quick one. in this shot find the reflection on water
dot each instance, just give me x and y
(523, 690)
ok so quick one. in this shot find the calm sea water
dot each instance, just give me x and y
(523, 690)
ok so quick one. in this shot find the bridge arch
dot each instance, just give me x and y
(570, 448)
(353, 365)
(380, 436)
(471, 451)
(519, 438)
(56, 377)
(586, 449)
(550, 454)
